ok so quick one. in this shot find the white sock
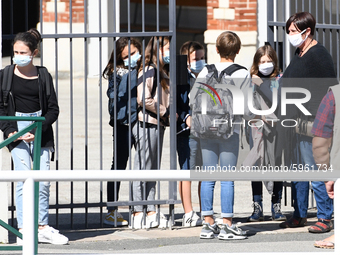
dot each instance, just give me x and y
(187, 215)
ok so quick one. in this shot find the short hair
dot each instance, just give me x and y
(301, 21)
(228, 44)
(265, 50)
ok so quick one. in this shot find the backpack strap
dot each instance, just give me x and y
(230, 70)
(45, 78)
(7, 82)
(212, 69)
(154, 86)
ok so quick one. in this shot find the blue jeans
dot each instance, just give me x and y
(195, 153)
(22, 156)
(225, 152)
(304, 155)
(183, 152)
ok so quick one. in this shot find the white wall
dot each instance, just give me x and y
(248, 48)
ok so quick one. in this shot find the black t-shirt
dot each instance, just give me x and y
(26, 94)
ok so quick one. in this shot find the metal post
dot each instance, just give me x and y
(337, 215)
(29, 239)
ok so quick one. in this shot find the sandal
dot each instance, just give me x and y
(293, 223)
(324, 244)
(321, 226)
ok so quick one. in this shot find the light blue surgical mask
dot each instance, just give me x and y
(22, 60)
(133, 60)
(166, 57)
(197, 66)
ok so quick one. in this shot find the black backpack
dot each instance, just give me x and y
(6, 76)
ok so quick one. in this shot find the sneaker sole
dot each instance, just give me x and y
(254, 220)
(230, 237)
(207, 236)
(55, 243)
(118, 223)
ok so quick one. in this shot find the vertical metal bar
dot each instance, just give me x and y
(330, 11)
(296, 6)
(129, 17)
(56, 81)
(337, 54)
(86, 110)
(143, 21)
(26, 15)
(310, 6)
(100, 112)
(29, 241)
(71, 112)
(336, 214)
(157, 15)
(303, 5)
(270, 17)
(323, 22)
(173, 141)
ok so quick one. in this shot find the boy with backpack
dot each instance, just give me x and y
(214, 122)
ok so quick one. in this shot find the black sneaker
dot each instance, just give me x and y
(208, 231)
(257, 213)
(276, 213)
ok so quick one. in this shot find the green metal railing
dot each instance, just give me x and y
(36, 166)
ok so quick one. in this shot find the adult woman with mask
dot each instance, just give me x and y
(188, 147)
(312, 69)
(28, 97)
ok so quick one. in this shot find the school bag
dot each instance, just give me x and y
(212, 108)
(122, 104)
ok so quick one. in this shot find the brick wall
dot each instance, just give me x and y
(63, 11)
(235, 15)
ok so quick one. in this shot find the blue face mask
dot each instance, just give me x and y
(166, 57)
(22, 60)
(197, 66)
(133, 60)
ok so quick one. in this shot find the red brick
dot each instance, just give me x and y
(213, 3)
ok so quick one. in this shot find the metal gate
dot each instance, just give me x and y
(83, 137)
(326, 13)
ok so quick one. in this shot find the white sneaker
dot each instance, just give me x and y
(136, 221)
(152, 221)
(51, 235)
(192, 220)
(110, 219)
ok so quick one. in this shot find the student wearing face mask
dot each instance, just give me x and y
(153, 97)
(119, 67)
(31, 94)
(265, 76)
(312, 69)
(188, 147)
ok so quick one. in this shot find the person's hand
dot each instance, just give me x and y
(188, 121)
(176, 116)
(10, 134)
(28, 137)
(256, 79)
(330, 189)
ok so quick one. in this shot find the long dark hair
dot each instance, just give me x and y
(263, 51)
(151, 57)
(121, 43)
(31, 39)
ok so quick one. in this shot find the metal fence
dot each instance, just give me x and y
(81, 142)
(326, 13)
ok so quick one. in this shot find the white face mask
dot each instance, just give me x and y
(22, 60)
(197, 66)
(296, 40)
(266, 68)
